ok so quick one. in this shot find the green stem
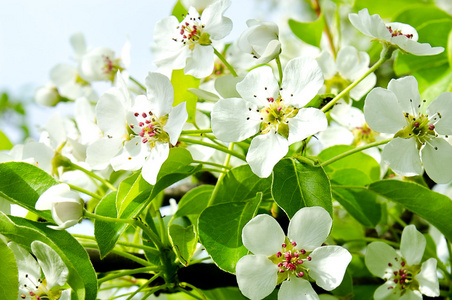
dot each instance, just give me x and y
(137, 83)
(125, 244)
(144, 285)
(280, 72)
(120, 253)
(350, 152)
(126, 273)
(384, 55)
(397, 219)
(195, 132)
(222, 175)
(163, 233)
(86, 192)
(216, 147)
(223, 60)
(211, 164)
(213, 170)
(92, 174)
(133, 222)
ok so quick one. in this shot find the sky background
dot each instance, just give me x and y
(34, 37)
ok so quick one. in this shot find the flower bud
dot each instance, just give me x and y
(47, 95)
(65, 205)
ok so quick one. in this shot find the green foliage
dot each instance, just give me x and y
(5, 143)
(195, 201)
(184, 240)
(82, 277)
(389, 8)
(9, 273)
(220, 230)
(182, 94)
(297, 184)
(179, 11)
(308, 32)
(22, 184)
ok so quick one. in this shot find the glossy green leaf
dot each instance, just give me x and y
(433, 207)
(241, 184)
(5, 143)
(359, 161)
(297, 185)
(182, 83)
(82, 277)
(220, 231)
(9, 273)
(179, 11)
(129, 189)
(434, 89)
(308, 32)
(184, 240)
(22, 183)
(107, 233)
(389, 8)
(360, 203)
(195, 201)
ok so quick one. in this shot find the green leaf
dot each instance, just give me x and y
(179, 11)
(359, 160)
(433, 207)
(434, 89)
(297, 185)
(184, 240)
(176, 167)
(389, 8)
(220, 231)
(9, 273)
(82, 277)
(195, 201)
(181, 84)
(241, 184)
(5, 143)
(22, 183)
(310, 32)
(360, 203)
(449, 48)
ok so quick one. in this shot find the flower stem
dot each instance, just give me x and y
(186, 284)
(137, 83)
(195, 132)
(123, 254)
(384, 55)
(220, 178)
(144, 285)
(86, 192)
(91, 174)
(353, 151)
(125, 244)
(213, 170)
(211, 164)
(280, 72)
(133, 222)
(128, 272)
(224, 61)
(216, 147)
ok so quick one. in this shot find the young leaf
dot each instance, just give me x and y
(195, 201)
(5, 144)
(179, 11)
(310, 32)
(184, 240)
(8, 273)
(182, 83)
(296, 185)
(107, 233)
(220, 231)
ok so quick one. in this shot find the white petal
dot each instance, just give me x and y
(62, 74)
(157, 157)
(380, 257)
(412, 245)
(386, 292)
(328, 266)
(226, 86)
(297, 288)
(216, 25)
(111, 113)
(131, 157)
(67, 213)
(302, 78)
(41, 154)
(201, 61)
(336, 135)
(25, 263)
(99, 153)
(437, 163)
(55, 271)
(265, 151)
(363, 87)
(160, 93)
(428, 279)
(403, 157)
(411, 295)
(65, 295)
(372, 26)
(415, 48)
(176, 121)
(352, 63)
(261, 83)
(256, 276)
(348, 116)
(307, 122)
(78, 43)
(54, 193)
(327, 64)
(407, 92)
(263, 235)
(230, 121)
(309, 227)
(382, 111)
(442, 105)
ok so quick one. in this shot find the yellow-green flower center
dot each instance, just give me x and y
(276, 116)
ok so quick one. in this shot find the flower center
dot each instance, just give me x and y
(403, 278)
(151, 128)
(419, 126)
(37, 290)
(364, 135)
(397, 32)
(111, 67)
(276, 116)
(191, 32)
(290, 261)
